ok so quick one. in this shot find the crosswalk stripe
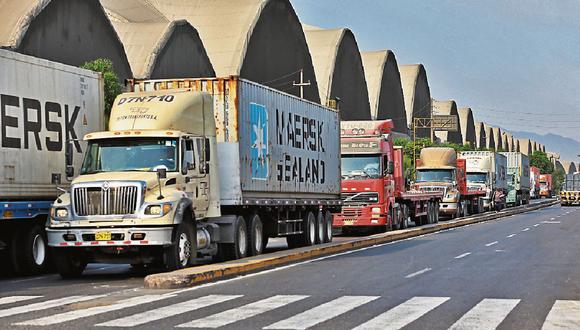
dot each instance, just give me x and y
(403, 314)
(243, 312)
(488, 314)
(168, 311)
(565, 314)
(14, 299)
(322, 313)
(81, 313)
(45, 305)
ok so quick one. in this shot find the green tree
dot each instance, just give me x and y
(557, 180)
(111, 81)
(540, 160)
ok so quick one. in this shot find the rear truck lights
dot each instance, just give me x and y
(69, 237)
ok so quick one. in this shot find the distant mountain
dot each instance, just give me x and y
(568, 148)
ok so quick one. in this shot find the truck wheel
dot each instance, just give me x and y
(430, 219)
(327, 227)
(320, 228)
(309, 229)
(69, 263)
(405, 220)
(182, 252)
(436, 211)
(239, 248)
(255, 235)
(33, 250)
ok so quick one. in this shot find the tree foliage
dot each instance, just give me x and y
(111, 81)
(540, 160)
(557, 180)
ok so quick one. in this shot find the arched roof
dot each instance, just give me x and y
(480, 135)
(467, 126)
(70, 32)
(489, 137)
(534, 146)
(416, 93)
(568, 166)
(525, 146)
(516, 145)
(560, 167)
(260, 40)
(449, 108)
(164, 50)
(339, 70)
(498, 138)
(508, 142)
(384, 88)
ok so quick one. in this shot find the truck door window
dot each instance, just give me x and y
(189, 156)
(385, 165)
(200, 154)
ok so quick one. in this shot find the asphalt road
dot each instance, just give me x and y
(522, 272)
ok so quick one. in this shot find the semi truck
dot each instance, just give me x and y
(439, 169)
(518, 179)
(43, 105)
(196, 168)
(534, 182)
(545, 185)
(570, 191)
(374, 193)
(486, 170)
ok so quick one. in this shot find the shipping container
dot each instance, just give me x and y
(518, 178)
(43, 104)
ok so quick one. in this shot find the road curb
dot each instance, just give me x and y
(207, 273)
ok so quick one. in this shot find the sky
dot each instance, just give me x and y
(515, 63)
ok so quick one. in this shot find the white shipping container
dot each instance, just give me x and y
(42, 105)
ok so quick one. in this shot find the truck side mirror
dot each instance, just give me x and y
(391, 167)
(207, 151)
(55, 179)
(69, 158)
(161, 173)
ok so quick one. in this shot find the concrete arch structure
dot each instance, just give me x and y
(260, 40)
(480, 141)
(449, 108)
(384, 88)
(568, 166)
(489, 137)
(508, 142)
(416, 93)
(558, 166)
(516, 145)
(498, 138)
(65, 31)
(467, 126)
(164, 50)
(339, 70)
(525, 146)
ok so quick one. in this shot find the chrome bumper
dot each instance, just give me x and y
(153, 237)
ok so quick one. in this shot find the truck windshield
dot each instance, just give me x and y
(477, 177)
(135, 154)
(360, 167)
(434, 175)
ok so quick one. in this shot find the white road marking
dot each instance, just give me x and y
(403, 314)
(46, 305)
(551, 222)
(463, 255)
(565, 314)
(168, 311)
(82, 313)
(492, 243)
(322, 313)
(526, 229)
(14, 299)
(243, 312)
(510, 236)
(488, 314)
(552, 218)
(418, 273)
(536, 225)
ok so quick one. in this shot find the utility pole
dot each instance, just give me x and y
(302, 83)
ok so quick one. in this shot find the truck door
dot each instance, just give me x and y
(197, 180)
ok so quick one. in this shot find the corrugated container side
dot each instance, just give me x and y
(60, 100)
(500, 171)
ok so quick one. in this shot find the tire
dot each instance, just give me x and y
(265, 240)
(33, 250)
(328, 227)
(255, 235)
(405, 217)
(238, 249)
(320, 227)
(69, 263)
(436, 213)
(308, 229)
(183, 251)
(430, 218)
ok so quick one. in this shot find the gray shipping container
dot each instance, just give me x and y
(571, 182)
(271, 145)
(519, 165)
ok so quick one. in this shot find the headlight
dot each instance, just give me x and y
(60, 213)
(376, 210)
(158, 209)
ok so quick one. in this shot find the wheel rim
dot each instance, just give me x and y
(184, 249)
(258, 239)
(320, 229)
(242, 241)
(38, 250)
(312, 228)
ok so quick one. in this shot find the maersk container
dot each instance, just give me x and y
(271, 145)
(42, 104)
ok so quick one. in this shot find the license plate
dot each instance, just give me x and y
(348, 222)
(103, 236)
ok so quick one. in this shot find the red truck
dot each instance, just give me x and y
(545, 185)
(534, 182)
(373, 184)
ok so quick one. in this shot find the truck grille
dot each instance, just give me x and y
(360, 199)
(120, 200)
(351, 212)
(433, 188)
